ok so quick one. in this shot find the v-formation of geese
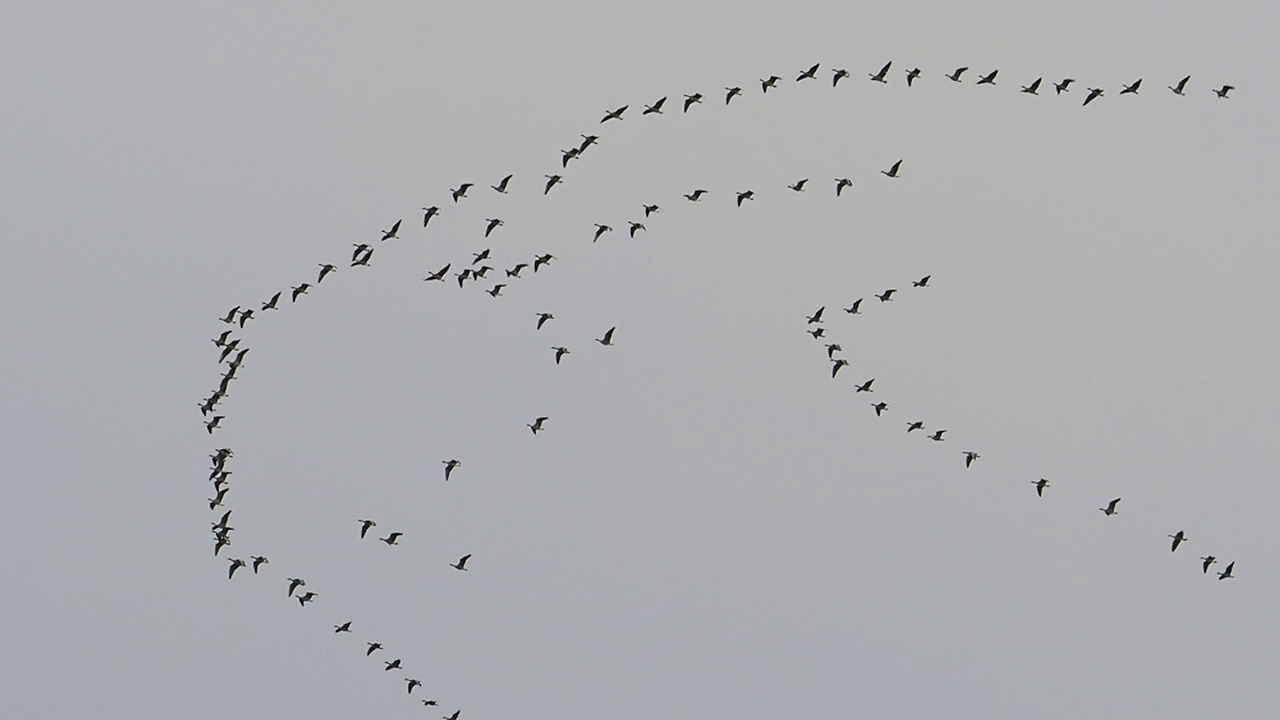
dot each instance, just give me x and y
(363, 254)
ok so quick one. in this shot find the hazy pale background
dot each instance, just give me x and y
(710, 526)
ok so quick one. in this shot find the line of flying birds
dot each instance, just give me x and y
(233, 352)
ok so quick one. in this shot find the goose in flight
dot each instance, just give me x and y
(1227, 573)
(937, 435)
(372, 647)
(552, 180)
(600, 230)
(567, 155)
(461, 192)
(392, 539)
(271, 304)
(491, 224)
(393, 665)
(866, 386)
(887, 295)
(836, 365)
(879, 77)
(650, 209)
(454, 716)
(1222, 91)
(608, 337)
(1181, 86)
(220, 542)
(809, 74)
(587, 141)
(798, 185)
(231, 315)
(462, 562)
(817, 333)
(501, 187)
(917, 425)
(969, 457)
(614, 114)
(449, 467)
(439, 274)
(216, 500)
(922, 282)
(413, 684)
(880, 407)
(236, 564)
(1132, 89)
(247, 315)
(496, 290)
(746, 195)
(817, 316)
(343, 628)
(542, 260)
(1208, 560)
(364, 527)
(1093, 93)
(560, 352)
(656, 108)
(543, 318)
(1063, 86)
(325, 269)
(515, 271)
(300, 290)
(214, 424)
(636, 226)
(912, 74)
(841, 184)
(430, 702)
(221, 340)
(228, 349)
(306, 598)
(988, 79)
(696, 195)
(294, 584)
(832, 349)
(730, 93)
(428, 213)
(955, 76)
(1110, 509)
(1040, 484)
(1178, 538)
(892, 171)
(1033, 88)
(838, 75)
(392, 234)
(766, 83)
(258, 561)
(690, 100)
(463, 276)
(360, 248)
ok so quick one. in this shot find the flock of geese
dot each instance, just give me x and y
(232, 350)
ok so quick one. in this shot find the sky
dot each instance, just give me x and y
(709, 525)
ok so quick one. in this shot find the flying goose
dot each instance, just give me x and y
(1110, 509)
(413, 684)
(969, 457)
(501, 187)
(836, 365)
(536, 425)
(325, 269)
(1178, 539)
(765, 84)
(1064, 85)
(866, 386)
(552, 180)
(887, 295)
(462, 562)
(922, 282)
(1181, 86)
(1222, 91)
(306, 598)
(294, 584)
(608, 337)
(912, 74)
(1040, 484)
(832, 349)
(428, 213)
(449, 466)
(817, 316)
(271, 304)
(300, 290)
(231, 315)
(650, 209)
(955, 76)
(600, 230)
(1208, 560)
(236, 564)
(730, 92)
(491, 224)
(879, 77)
(496, 290)
(841, 184)
(461, 192)
(392, 233)
(636, 226)
(343, 628)
(656, 108)
(880, 407)
(892, 171)
(746, 195)
(988, 79)
(690, 100)
(258, 561)
(695, 196)
(543, 318)
(798, 185)
(542, 260)
(614, 114)
(937, 436)
(364, 527)
(439, 274)
(1033, 88)
(393, 665)
(515, 271)
(838, 76)
(1225, 574)
(1093, 93)
(809, 74)
(560, 352)
(392, 539)
(853, 309)
(1132, 89)
(917, 425)
(372, 647)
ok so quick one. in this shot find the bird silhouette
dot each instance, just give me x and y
(587, 141)
(1208, 560)
(428, 213)
(955, 76)
(543, 318)
(841, 184)
(1110, 509)
(656, 108)
(600, 230)
(439, 274)
(552, 181)
(892, 171)
(294, 584)
(231, 315)
(880, 76)
(614, 114)
(809, 74)
(413, 684)
(258, 561)
(608, 337)
(567, 155)
(491, 224)
(817, 333)
(306, 598)
(837, 76)
(393, 665)
(832, 349)
(917, 425)
(496, 290)
(650, 209)
(912, 74)
(866, 386)
(817, 316)
(730, 93)
(462, 562)
(392, 234)
(536, 425)
(887, 295)
(1040, 484)
(746, 195)
(542, 260)
(1178, 538)
(560, 352)
(1033, 88)
(449, 467)
(988, 79)
(922, 282)
(461, 192)
(373, 646)
(515, 271)
(501, 187)
(325, 269)
(969, 457)
(1181, 86)
(769, 82)
(300, 290)
(1225, 574)
(1093, 93)
(690, 100)
(695, 196)
(1222, 91)
(880, 407)
(1063, 86)
(937, 435)
(798, 185)
(236, 564)
(271, 304)
(836, 365)
(364, 527)
(635, 226)
(392, 539)
(1132, 89)
(343, 628)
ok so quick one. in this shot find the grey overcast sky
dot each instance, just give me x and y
(710, 525)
